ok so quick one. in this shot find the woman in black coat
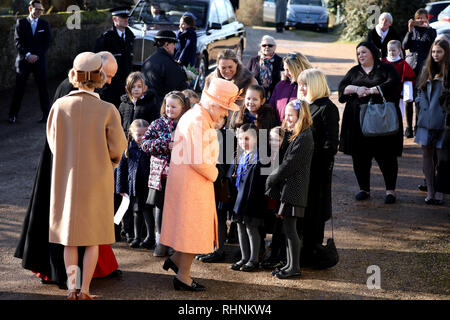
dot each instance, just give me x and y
(267, 66)
(357, 87)
(313, 88)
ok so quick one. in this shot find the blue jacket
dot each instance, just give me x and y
(431, 114)
(133, 172)
(186, 47)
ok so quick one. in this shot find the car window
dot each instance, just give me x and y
(307, 2)
(222, 11)
(213, 17)
(230, 11)
(170, 12)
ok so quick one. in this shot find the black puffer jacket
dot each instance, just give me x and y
(146, 108)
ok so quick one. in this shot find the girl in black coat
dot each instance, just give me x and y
(132, 179)
(356, 88)
(138, 102)
(314, 90)
(289, 182)
(186, 47)
(248, 211)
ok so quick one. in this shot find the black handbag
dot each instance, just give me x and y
(326, 256)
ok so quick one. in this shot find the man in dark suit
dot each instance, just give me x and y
(32, 40)
(119, 40)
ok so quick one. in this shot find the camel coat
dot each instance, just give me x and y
(189, 223)
(86, 138)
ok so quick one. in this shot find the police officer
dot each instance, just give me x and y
(119, 40)
(162, 73)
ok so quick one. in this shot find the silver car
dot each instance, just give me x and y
(308, 13)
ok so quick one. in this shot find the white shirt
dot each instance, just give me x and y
(120, 33)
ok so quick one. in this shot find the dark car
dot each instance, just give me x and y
(217, 29)
(434, 8)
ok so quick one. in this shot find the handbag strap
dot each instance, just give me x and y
(381, 93)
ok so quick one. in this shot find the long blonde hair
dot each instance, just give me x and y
(304, 120)
(134, 126)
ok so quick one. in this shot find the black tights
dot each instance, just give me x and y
(146, 215)
(293, 243)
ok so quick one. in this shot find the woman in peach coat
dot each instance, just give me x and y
(190, 221)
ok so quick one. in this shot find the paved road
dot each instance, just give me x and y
(408, 241)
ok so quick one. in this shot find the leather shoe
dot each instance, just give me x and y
(169, 264)
(84, 296)
(180, 285)
(389, 199)
(213, 257)
(12, 119)
(135, 243)
(237, 266)
(286, 275)
(147, 244)
(250, 266)
(362, 195)
(72, 295)
(429, 201)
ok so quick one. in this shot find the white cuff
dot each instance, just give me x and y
(26, 56)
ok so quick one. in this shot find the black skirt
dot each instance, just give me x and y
(251, 221)
(156, 197)
(288, 210)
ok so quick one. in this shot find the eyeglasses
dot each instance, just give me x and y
(267, 45)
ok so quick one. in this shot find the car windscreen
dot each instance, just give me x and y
(168, 12)
(307, 2)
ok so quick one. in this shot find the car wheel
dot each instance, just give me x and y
(202, 73)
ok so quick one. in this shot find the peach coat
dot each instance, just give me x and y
(189, 223)
(86, 138)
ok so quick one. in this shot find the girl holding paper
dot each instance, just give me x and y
(132, 176)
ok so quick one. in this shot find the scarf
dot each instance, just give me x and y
(266, 70)
(397, 58)
(381, 33)
(244, 161)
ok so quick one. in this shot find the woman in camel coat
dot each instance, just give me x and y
(86, 138)
(190, 221)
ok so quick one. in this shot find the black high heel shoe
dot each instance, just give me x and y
(180, 285)
(169, 264)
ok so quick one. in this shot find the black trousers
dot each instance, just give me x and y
(40, 77)
(388, 164)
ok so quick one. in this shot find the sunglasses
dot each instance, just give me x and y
(267, 45)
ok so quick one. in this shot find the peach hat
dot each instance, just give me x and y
(224, 93)
(87, 66)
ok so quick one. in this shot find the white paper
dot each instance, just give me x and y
(122, 209)
(402, 107)
(408, 94)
